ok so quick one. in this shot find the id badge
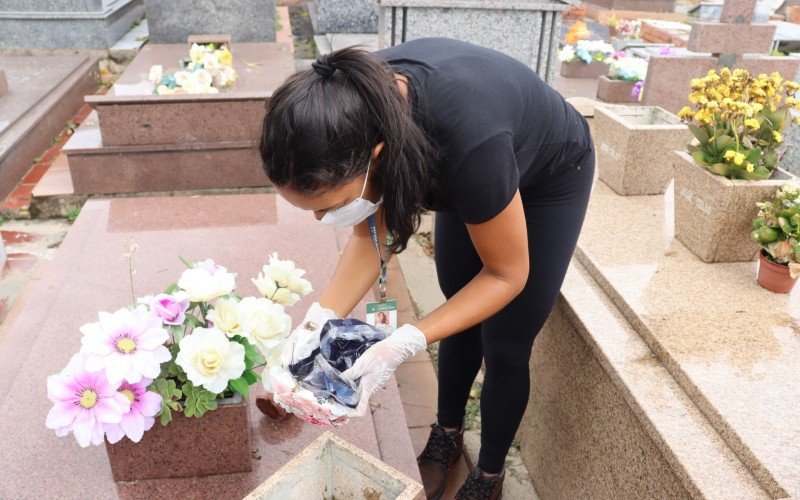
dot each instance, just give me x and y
(383, 315)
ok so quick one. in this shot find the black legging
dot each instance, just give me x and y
(554, 213)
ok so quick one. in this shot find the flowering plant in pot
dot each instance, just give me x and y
(737, 121)
(777, 230)
(585, 59)
(624, 73)
(182, 353)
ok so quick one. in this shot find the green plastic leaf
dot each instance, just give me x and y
(251, 377)
(699, 133)
(169, 393)
(198, 400)
(240, 385)
(172, 288)
(185, 263)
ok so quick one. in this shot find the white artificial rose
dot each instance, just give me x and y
(183, 78)
(269, 289)
(196, 53)
(566, 54)
(210, 62)
(209, 359)
(203, 285)
(224, 317)
(202, 78)
(156, 73)
(264, 323)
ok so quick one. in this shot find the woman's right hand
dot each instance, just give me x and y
(305, 338)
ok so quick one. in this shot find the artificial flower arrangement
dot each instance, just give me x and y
(777, 230)
(625, 29)
(738, 121)
(179, 351)
(208, 69)
(578, 31)
(626, 68)
(586, 51)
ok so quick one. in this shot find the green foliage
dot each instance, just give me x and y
(777, 226)
(170, 395)
(198, 400)
(73, 214)
(252, 359)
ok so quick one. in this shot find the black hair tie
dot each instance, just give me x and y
(323, 67)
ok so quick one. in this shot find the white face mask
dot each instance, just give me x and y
(354, 212)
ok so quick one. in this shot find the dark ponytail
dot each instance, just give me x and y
(322, 125)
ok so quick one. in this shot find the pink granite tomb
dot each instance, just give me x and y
(136, 141)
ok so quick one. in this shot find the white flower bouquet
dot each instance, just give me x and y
(586, 51)
(208, 69)
(627, 68)
(179, 351)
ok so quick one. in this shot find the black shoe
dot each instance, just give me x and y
(480, 486)
(442, 451)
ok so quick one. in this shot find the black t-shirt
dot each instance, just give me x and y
(498, 126)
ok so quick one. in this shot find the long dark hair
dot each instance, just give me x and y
(321, 127)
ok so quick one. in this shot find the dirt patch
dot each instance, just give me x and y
(302, 32)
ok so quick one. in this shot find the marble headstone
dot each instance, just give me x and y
(172, 21)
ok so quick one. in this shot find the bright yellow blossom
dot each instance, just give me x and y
(752, 123)
(777, 136)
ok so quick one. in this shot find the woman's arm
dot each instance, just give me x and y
(502, 244)
(356, 272)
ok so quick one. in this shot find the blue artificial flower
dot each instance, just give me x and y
(583, 55)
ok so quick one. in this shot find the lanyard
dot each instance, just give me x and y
(373, 232)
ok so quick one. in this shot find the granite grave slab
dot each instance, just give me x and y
(87, 275)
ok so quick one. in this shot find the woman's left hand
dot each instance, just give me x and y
(379, 362)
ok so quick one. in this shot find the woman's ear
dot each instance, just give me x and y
(376, 151)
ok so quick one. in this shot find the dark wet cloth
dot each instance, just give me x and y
(342, 342)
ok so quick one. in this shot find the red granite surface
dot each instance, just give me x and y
(88, 274)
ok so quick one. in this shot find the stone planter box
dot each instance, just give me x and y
(579, 69)
(331, 468)
(634, 146)
(713, 214)
(217, 443)
(615, 91)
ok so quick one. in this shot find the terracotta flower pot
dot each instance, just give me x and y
(774, 277)
(714, 214)
(217, 443)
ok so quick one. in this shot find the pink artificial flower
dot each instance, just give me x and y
(665, 50)
(171, 309)
(127, 344)
(144, 407)
(315, 421)
(210, 266)
(619, 55)
(83, 402)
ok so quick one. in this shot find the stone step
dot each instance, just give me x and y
(607, 419)
(128, 46)
(99, 169)
(87, 275)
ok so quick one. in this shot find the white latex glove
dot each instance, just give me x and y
(305, 338)
(377, 364)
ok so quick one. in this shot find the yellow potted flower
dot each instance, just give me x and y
(737, 120)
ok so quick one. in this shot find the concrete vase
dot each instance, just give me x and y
(634, 144)
(331, 468)
(579, 69)
(713, 214)
(615, 91)
(217, 443)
